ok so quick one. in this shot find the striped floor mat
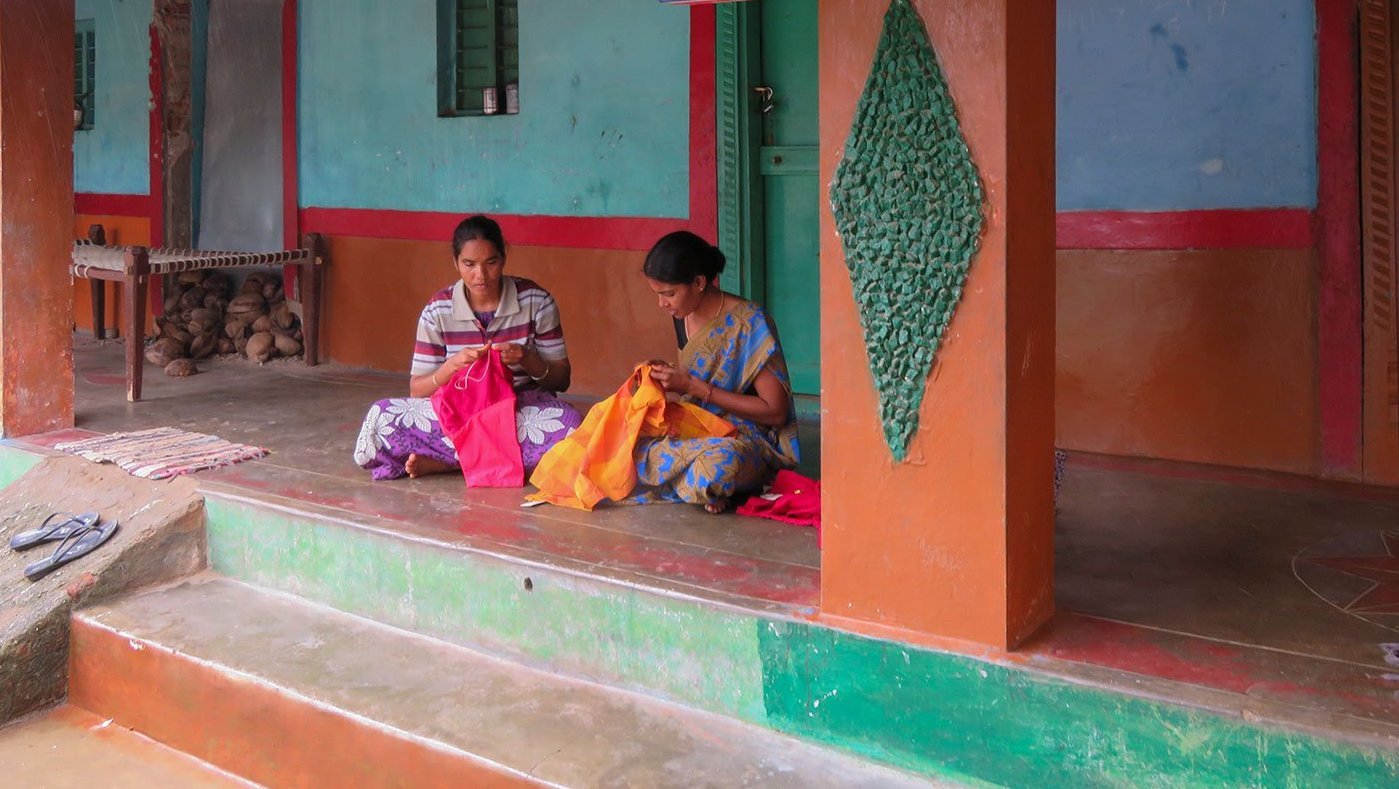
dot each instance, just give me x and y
(161, 452)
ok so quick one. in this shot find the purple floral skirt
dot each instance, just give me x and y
(397, 427)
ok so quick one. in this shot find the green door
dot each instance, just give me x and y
(769, 194)
(787, 160)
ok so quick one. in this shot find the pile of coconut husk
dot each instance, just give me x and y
(202, 317)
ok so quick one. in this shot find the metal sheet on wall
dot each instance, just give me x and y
(241, 184)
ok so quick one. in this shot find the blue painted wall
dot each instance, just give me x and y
(1186, 104)
(602, 131)
(112, 157)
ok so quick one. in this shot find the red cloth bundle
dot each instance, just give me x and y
(793, 499)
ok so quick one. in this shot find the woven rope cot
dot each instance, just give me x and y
(138, 268)
(88, 256)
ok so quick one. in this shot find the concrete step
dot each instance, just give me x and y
(70, 747)
(288, 693)
(991, 717)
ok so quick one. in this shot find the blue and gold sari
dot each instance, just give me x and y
(728, 353)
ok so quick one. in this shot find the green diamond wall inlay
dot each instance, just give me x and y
(907, 201)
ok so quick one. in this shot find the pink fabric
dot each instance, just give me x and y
(793, 499)
(477, 410)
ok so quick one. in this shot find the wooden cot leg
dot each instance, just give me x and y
(311, 300)
(99, 308)
(98, 235)
(137, 267)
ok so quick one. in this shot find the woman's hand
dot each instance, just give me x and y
(513, 354)
(671, 379)
(464, 358)
(425, 385)
(770, 405)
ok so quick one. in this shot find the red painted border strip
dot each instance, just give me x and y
(290, 234)
(111, 204)
(1340, 300)
(1273, 228)
(579, 232)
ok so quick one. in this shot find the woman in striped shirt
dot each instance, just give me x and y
(484, 308)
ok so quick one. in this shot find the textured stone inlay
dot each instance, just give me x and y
(907, 201)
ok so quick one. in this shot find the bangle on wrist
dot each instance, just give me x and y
(708, 394)
(434, 378)
(541, 376)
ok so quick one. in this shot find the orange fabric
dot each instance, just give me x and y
(595, 461)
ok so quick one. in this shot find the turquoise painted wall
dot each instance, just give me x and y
(1186, 104)
(602, 130)
(112, 157)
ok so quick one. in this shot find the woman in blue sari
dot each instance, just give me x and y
(730, 363)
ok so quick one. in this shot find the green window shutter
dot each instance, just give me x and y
(476, 53)
(737, 49)
(477, 48)
(85, 70)
(508, 25)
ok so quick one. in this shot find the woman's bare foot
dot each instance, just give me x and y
(419, 466)
(717, 506)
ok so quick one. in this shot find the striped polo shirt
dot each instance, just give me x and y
(526, 314)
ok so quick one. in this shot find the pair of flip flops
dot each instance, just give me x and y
(76, 535)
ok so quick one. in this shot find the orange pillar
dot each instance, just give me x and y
(956, 542)
(36, 203)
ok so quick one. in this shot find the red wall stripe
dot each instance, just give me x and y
(1340, 300)
(1274, 228)
(111, 204)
